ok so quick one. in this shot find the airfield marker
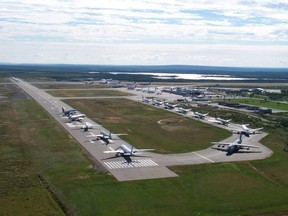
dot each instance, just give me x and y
(203, 157)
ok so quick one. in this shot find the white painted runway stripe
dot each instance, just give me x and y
(135, 163)
(112, 166)
(116, 165)
(204, 157)
(70, 125)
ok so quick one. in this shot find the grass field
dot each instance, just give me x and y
(87, 93)
(5, 80)
(21, 190)
(71, 86)
(260, 102)
(42, 147)
(151, 127)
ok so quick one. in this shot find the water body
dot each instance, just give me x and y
(168, 76)
(148, 73)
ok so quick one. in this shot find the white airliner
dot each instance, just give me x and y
(106, 137)
(87, 126)
(146, 100)
(151, 91)
(182, 110)
(220, 121)
(123, 150)
(158, 92)
(247, 131)
(199, 115)
(169, 106)
(156, 102)
(235, 146)
(78, 117)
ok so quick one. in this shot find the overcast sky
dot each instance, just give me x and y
(245, 33)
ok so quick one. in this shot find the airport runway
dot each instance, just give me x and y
(140, 168)
(151, 166)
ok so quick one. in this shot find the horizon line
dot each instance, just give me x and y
(139, 65)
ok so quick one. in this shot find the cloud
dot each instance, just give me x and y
(138, 22)
(141, 54)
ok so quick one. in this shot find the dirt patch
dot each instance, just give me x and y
(171, 124)
(113, 120)
(82, 177)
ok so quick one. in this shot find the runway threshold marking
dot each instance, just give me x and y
(204, 157)
(134, 164)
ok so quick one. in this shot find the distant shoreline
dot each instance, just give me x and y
(167, 73)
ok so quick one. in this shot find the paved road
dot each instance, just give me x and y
(153, 165)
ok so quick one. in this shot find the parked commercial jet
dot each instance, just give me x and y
(156, 102)
(87, 126)
(220, 121)
(199, 115)
(78, 117)
(123, 150)
(182, 110)
(146, 100)
(68, 112)
(152, 91)
(158, 92)
(234, 147)
(106, 137)
(247, 131)
(170, 106)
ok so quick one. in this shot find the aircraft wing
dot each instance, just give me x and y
(255, 130)
(238, 131)
(214, 120)
(119, 134)
(246, 146)
(76, 119)
(143, 150)
(95, 135)
(240, 145)
(87, 125)
(251, 131)
(114, 151)
(221, 143)
(195, 114)
(137, 151)
(83, 125)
